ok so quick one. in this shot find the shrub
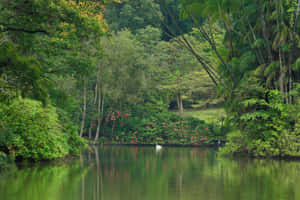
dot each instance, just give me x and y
(268, 125)
(235, 145)
(31, 131)
(3, 160)
(6, 162)
(71, 132)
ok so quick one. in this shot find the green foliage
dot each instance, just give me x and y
(20, 73)
(235, 144)
(31, 131)
(262, 41)
(132, 15)
(267, 124)
(70, 131)
(5, 161)
(164, 128)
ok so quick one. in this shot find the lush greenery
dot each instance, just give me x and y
(166, 128)
(32, 131)
(111, 71)
(41, 44)
(258, 74)
(5, 161)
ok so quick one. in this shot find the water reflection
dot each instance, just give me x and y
(129, 173)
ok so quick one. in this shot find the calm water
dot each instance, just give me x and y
(139, 173)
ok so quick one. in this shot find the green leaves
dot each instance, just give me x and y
(34, 132)
(274, 66)
(24, 72)
(296, 65)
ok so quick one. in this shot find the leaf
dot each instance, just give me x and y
(274, 66)
(296, 65)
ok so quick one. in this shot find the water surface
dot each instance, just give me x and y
(140, 173)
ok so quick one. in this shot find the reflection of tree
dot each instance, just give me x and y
(139, 173)
(99, 174)
(82, 178)
(272, 177)
(47, 182)
(188, 173)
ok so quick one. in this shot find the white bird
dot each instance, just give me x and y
(158, 147)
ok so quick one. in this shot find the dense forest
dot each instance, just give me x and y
(116, 71)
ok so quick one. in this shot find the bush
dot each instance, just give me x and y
(285, 144)
(31, 131)
(6, 162)
(235, 144)
(74, 141)
(164, 128)
(268, 125)
(3, 160)
(71, 131)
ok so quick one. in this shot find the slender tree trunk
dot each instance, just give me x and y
(99, 119)
(179, 104)
(95, 101)
(90, 131)
(282, 74)
(265, 32)
(285, 84)
(102, 109)
(184, 42)
(290, 87)
(96, 90)
(286, 93)
(112, 128)
(84, 109)
(260, 55)
(293, 47)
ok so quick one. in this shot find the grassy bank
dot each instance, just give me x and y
(212, 115)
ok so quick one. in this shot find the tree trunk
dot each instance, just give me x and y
(112, 128)
(286, 93)
(90, 131)
(282, 74)
(84, 109)
(260, 56)
(99, 119)
(96, 89)
(290, 86)
(281, 57)
(265, 32)
(293, 48)
(179, 104)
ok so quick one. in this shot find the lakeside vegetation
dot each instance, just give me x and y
(111, 71)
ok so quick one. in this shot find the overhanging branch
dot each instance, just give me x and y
(8, 28)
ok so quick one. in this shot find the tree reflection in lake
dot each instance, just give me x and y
(129, 173)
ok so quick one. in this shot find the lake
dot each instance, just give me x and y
(141, 173)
